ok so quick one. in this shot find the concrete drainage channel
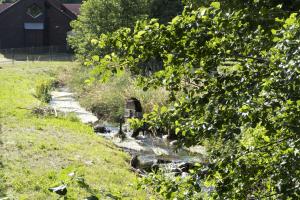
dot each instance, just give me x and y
(63, 100)
(147, 152)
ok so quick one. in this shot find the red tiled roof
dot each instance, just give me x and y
(74, 8)
(4, 6)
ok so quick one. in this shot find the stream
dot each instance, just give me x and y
(148, 151)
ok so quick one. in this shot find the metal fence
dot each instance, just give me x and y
(48, 53)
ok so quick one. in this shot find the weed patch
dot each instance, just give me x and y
(43, 88)
(107, 100)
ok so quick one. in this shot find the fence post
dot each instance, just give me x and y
(32, 54)
(51, 53)
(13, 56)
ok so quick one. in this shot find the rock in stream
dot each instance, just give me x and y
(148, 152)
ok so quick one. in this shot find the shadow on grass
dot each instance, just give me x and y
(47, 53)
(10, 58)
(2, 187)
(93, 192)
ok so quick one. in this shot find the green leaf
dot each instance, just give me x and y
(276, 39)
(88, 81)
(94, 41)
(163, 109)
(216, 4)
(175, 19)
(203, 11)
(197, 165)
(139, 34)
(102, 44)
(170, 58)
(266, 138)
(291, 20)
(118, 44)
(96, 58)
(279, 20)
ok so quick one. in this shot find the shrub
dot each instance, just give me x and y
(107, 100)
(43, 88)
(240, 80)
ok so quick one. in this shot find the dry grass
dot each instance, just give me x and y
(107, 99)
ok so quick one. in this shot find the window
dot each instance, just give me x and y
(34, 26)
(34, 11)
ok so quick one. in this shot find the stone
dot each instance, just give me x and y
(185, 167)
(89, 162)
(91, 198)
(165, 137)
(144, 163)
(129, 144)
(100, 129)
(174, 143)
(197, 150)
(136, 133)
(134, 162)
(60, 190)
(71, 174)
(160, 151)
(163, 161)
(184, 174)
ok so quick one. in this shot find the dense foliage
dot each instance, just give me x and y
(64, 1)
(234, 80)
(240, 81)
(165, 10)
(101, 16)
(106, 100)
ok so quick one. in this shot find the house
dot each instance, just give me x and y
(35, 23)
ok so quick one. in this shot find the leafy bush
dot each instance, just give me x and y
(101, 16)
(135, 123)
(174, 187)
(43, 88)
(238, 71)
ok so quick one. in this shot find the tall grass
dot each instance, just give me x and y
(107, 100)
(43, 88)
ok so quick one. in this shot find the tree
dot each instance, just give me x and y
(165, 10)
(101, 16)
(233, 77)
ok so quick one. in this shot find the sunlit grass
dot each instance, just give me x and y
(42, 152)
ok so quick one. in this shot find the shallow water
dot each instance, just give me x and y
(149, 149)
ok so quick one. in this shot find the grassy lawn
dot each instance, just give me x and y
(41, 152)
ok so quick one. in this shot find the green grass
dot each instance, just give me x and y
(107, 99)
(40, 152)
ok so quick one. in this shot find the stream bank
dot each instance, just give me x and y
(148, 152)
